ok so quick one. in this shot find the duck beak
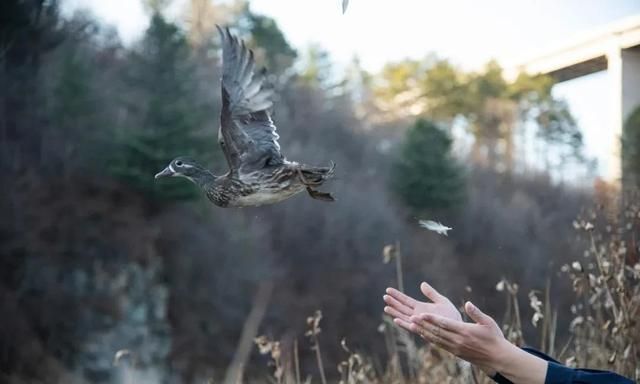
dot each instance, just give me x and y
(165, 173)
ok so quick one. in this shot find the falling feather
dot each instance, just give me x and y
(437, 227)
(345, 4)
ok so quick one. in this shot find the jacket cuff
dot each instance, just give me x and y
(559, 374)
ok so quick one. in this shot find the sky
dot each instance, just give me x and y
(468, 32)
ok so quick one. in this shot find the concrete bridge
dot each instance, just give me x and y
(614, 48)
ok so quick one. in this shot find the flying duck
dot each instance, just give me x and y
(258, 172)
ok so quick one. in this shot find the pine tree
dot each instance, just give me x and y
(267, 36)
(426, 176)
(74, 112)
(165, 113)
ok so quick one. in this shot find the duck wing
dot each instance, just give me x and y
(247, 134)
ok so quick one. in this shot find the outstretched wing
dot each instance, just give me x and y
(247, 134)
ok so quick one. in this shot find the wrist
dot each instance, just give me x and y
(518, 365)
(504, 355)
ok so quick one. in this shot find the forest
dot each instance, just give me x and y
(110, 276)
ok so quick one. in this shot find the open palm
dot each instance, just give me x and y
(401, 307)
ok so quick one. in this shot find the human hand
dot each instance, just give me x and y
(478, 343)
(481, 343)
(401, 307)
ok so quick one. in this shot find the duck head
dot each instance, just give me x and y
(187, 168)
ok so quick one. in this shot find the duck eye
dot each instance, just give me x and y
(179, 163)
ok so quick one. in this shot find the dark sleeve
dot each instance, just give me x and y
(498, 378)
(561, 374)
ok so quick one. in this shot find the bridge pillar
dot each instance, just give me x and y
(623, 67)
(630, 81)
(614, 74)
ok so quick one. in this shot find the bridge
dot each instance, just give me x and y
(614, 48)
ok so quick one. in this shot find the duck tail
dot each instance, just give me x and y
(314, 176)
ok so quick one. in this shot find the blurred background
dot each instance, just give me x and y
(502, 120)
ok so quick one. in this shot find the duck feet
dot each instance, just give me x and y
(324, 196)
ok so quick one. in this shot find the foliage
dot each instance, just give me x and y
(631, 149)
(490, 108)
(558, 127)
(28, 31)
(316, 67)
(166, 123)
(75, 108)
(427, 176)
(264, 33)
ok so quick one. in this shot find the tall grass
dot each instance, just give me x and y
(604, 332)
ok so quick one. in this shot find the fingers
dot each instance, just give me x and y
(435, 328)
(454, 326)
(396, 314)
(401, 297)
(428, 333)
(430, 292)
(477, 315)
(408, 325)
(404, 324)
(398, 306)
(431, 334)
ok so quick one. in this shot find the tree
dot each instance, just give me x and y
(317, 67)
(269, 39)
(397, 90)
(631, 149)
(489, 107)
(28, 30)
(164, 119)
(201, 16)
(76, 113)
(558, 130)
(426, 176)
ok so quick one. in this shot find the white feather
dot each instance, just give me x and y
(437, 227)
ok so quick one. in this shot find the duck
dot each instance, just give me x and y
(258, 173)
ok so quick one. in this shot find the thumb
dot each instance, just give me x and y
(476, 314)
(430, 292)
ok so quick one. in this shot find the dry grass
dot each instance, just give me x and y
(605, 329)
(604, 332)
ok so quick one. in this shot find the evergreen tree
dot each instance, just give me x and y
(426, 176)
(165, 117)
(74, 109)
(266, 35)
(28, 31)
(631, 149)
